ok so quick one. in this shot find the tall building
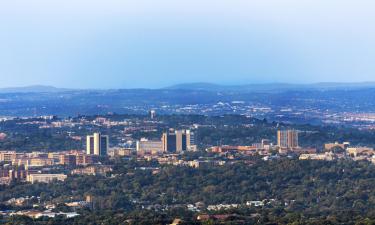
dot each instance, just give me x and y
(152, 114)
(97, 144)
(169, 142)
(177, 141)
(287, 138)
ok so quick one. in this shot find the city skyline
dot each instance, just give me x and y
(187, 112)
(128, 44)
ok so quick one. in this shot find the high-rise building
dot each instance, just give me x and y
(177, 141)
(169, 142)
(97, 144)
(287, 138)
(152, 114)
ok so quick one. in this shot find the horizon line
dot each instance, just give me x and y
(191, 83)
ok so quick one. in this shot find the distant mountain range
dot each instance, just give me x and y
(271, 86)
(265, 87)
(195, 98)
(33, 89)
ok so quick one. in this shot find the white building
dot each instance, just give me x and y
(45, 178)
(153, 147)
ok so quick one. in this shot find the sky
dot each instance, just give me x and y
(158, 43)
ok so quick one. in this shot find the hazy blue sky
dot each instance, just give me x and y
(156, 43)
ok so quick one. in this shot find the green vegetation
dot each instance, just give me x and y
(25, 135)
(304, 192)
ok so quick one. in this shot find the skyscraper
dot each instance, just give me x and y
(169, 140)
(97, 144)
(287, 138)
(177, 141)
(152, 114)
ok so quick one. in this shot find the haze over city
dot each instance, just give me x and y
(153, 44)
(187, 112)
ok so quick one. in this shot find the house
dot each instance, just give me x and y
(221, 217)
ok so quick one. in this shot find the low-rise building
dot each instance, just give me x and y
(228, 148)
(221, 207)
(255, 203)
(68, 159)
(92, 170)
(223, 217)
(304, 151)
(149, 147)
(121, 152)
(32, 162)
(360, 151)
(76, 158)
(79, 204)
(45, 178)
(7, 156)
(200, 163)
(330, 146)
(38, 214)
(324, 156)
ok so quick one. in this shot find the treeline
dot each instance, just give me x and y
(303, 190)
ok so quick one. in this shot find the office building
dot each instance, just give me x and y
(178, 141)
(287, 139)
(169, 142)
(121, 152)
(55, 156)
(7, 156)
(92, 170)
(68, 159)
(97, 144)
(13, 172)
(360, 151)
(152, 114)
(45, 178)
(330, 146)
(145, 147)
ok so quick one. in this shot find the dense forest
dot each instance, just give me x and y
(304, 192)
